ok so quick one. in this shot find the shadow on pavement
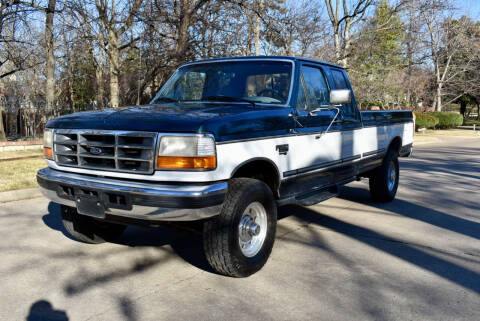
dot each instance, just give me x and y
(54, 221)
(168, 242)
(407, 252)
(43, 310)
(127, 308)
(414, 211)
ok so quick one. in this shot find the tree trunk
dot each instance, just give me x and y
(478, 111)
(346, 46)
(249, 14)
(257, 26)
(71, 96)
(463, 108)
(99, 73)
(2, 129)
(113, 53)
(50, 67)
(182, 30)
(438, 98)
(99, 81)
(336, 44)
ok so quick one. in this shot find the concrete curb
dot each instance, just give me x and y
(19, 194)
(438, 138)
(6, 148)
(20, 158)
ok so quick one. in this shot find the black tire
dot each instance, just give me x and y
(87, 229)
(221, 233)
(381, 187)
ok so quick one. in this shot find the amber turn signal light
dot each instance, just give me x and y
(186, 162)
(47, 152)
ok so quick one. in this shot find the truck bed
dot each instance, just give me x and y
(385, 117)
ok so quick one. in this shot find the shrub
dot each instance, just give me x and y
(425, 120)
(448, 119)
(470, 122)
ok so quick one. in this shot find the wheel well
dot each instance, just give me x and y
(396, 144)
(260, 169)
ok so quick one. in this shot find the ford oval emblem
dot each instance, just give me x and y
(95, 151)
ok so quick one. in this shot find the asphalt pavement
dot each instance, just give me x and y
(416, 258)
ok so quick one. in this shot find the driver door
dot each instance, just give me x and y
(317, 147)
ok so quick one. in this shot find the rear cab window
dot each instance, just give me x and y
(338, 80)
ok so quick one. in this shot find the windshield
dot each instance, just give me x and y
(266, 82)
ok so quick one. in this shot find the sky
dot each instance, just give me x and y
(469, 7)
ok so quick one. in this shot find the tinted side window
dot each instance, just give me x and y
(316, 87)
(339, 80)
(301, 98)
(348, 112)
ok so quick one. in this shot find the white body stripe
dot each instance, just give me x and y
(304, 151)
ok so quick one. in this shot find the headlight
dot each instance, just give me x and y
(48, 143)
(186, 152)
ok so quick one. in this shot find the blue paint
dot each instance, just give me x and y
(226, 121)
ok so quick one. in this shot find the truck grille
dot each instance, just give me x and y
(120, 151)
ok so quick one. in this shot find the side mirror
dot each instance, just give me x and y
(340, 96)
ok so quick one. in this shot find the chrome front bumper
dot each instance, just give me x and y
(133, 199)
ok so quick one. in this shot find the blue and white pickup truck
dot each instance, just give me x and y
(225, 141)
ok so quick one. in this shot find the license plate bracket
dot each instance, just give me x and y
(90, 206)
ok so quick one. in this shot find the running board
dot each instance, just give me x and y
(315, 196)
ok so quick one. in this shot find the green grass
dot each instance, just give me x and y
(20, 153)
(25, 139)
(19, 174)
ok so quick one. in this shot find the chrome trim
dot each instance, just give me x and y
(138, 189)
(287, 104)
(136, 175)
(336, 164)
(147, 213)
(115, 145)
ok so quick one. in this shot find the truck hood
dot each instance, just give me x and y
(169, 117)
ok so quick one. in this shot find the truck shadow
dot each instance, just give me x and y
(188, 244)
(168, 241)
(416, 212)
(416, 255)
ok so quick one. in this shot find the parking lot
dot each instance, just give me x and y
(348, 258)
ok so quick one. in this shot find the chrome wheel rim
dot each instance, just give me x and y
(252, 229)
(392, 176)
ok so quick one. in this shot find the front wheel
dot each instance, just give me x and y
(88, 230)
(239, 241)
(384, 180)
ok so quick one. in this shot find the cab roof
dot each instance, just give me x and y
(267, 58)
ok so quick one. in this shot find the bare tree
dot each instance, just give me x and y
(344, 15)
(297, 30)
(116, 25)
(446, 39)
(15, 38)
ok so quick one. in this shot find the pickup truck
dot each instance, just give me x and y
(226, 142)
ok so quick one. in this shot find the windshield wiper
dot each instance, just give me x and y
(165, 99)
(230, 98)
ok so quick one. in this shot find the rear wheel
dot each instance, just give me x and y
(239, 241)
(87, 229)
(384, 179)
